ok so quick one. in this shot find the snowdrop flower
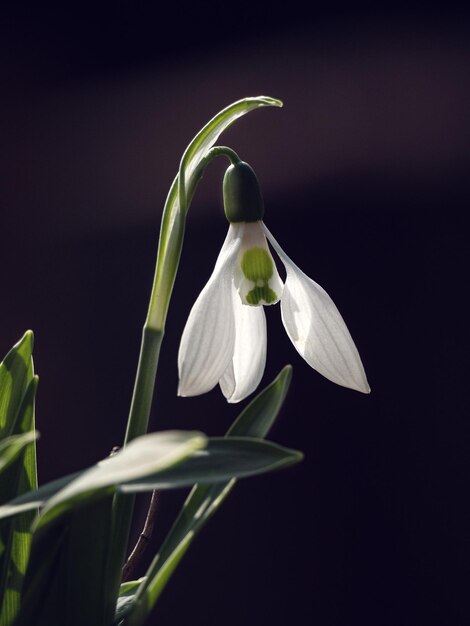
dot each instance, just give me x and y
(224, 340)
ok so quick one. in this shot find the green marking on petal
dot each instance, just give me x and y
(257, 265)
(261, 295)
(258, 268)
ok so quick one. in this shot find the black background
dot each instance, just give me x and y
(364, 174)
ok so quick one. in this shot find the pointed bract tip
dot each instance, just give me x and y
(29, 337)
(26, 340)
(270, 101)
(287, 369)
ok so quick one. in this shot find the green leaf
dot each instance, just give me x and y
(11, 447)
(36, 498)
(75, 523)
(220, 461)
(128, 588)
(16, 372)
(255, 421)
(136, 468)
(258, 417)
(126, 598)
(146, 455)
(180, 194)
(66, 578)
(18, 389)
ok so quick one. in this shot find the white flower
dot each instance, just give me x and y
(224, 340)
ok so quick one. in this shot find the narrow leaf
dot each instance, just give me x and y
(67, 581)
(36, 498)
(128, 588)
(17, 393)
(16, 372)
(221, 460)
(11, 447)
(66, 576)
(126, 598)
(145, 455)
(149, 454)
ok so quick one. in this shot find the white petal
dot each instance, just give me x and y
(207, 344)
(316, 328)
(246, 369)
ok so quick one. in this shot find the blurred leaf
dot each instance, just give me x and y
(126, 598)
(66, 579)
(11, 447)
(37, 497)
(219, 461)
(146, 455)
(128, 589)
(255, 421)
(69, 552)
(17, 393)
(16, 373)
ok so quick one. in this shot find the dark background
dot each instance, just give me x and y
(364, 174)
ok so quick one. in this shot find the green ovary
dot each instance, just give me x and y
(258, 267)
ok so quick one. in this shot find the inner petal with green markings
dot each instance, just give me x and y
(256, 277)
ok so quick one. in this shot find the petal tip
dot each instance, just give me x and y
(184, 392)
(357, 384)
(233, 400)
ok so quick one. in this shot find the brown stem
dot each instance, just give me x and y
(142, 541)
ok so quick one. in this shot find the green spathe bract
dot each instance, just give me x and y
(192, 167)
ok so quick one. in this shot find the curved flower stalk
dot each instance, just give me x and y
(224, 340)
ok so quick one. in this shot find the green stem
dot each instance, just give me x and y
(123, 505)
(144, 383)
(231, 155)
(168, 256)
